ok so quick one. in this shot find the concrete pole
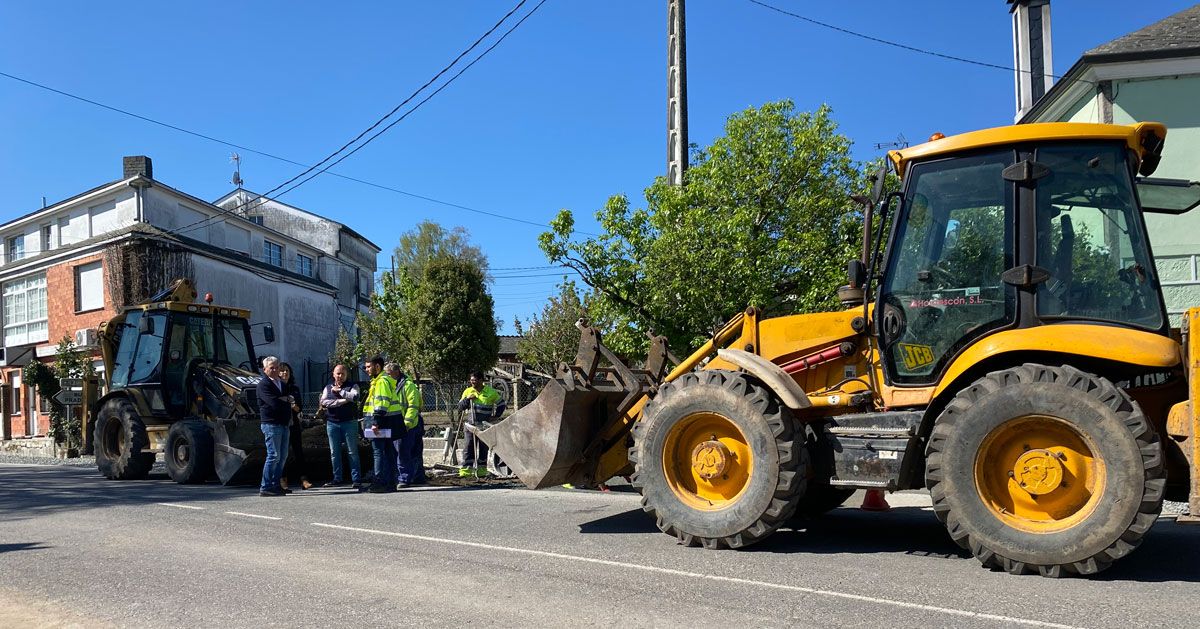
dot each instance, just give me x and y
(677, 138)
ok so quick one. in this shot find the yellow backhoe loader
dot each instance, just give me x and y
(180, 377)
(1006, 347)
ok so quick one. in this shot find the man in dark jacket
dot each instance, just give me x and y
(275, 414)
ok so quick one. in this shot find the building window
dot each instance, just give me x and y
(257, 219)
(89, 287)
(47, 237)
(304, 265)
(272, 253)
(25, 310)
(16, 249)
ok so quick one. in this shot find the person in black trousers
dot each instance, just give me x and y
(297, 467)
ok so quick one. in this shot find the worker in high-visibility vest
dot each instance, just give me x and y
(410, 449)
(383, 421)
(481, 403)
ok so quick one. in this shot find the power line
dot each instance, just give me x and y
(886, 42)
(425, 100)
(279, 158)
(377, 122)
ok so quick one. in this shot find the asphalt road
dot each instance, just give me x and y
(77, 549)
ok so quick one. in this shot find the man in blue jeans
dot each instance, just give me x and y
(340, 401)
(274, 414)
(383, 421)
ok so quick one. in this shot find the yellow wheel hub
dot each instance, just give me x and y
(1039, 474)
(707, 461)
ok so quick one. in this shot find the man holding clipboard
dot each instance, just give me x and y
(383, 421)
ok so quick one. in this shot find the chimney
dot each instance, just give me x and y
(135, 165)
(1031, 52)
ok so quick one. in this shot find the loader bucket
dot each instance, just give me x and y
(544, 443)
(238, 451)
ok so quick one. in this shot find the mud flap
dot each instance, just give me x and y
(545, 443)
(239, 451)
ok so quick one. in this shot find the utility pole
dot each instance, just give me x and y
(677, 139)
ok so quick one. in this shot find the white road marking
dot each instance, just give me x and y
(251, 515)
(171, 504)
(711, 577)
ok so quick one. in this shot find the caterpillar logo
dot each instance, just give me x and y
(916, 356)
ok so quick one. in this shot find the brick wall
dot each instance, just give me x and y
(60, 301)
(64, 320)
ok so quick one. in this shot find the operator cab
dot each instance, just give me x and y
(159, 351)
(1013, 228)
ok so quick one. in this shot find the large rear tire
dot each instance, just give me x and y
(119, 440)
(716, 460)
(189, 452)
(1045, 469)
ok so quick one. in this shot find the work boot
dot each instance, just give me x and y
(283, 484)
(304, 483)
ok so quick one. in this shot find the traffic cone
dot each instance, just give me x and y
(875, 501)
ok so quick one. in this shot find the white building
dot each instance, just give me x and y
(71, 265)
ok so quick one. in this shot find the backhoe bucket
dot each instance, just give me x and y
(238, 451)
(558, 438)
(544, 443)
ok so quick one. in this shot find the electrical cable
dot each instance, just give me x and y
(425, 100)
(378, 122)
(886, 42)
(279, 158)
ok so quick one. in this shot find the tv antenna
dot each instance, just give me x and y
(237, 169)
(900, 142)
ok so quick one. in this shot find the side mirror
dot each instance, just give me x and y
(146, 325)
(269, 333)
(1168, 196)
(857, 273)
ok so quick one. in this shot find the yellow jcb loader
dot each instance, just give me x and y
(1006, 348)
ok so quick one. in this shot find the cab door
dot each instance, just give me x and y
(951, 242)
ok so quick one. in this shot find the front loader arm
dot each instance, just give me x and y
(1183, 423)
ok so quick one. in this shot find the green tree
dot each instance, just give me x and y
(454, 320)
(429, 241)
(345, 352)
(69, 362)
(765, 219)
(551, 337)
(387, 328)
(433, 315)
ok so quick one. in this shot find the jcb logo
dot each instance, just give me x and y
(916, 356)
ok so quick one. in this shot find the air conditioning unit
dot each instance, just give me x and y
(86, 337)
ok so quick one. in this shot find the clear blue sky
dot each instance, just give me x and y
(567, 111)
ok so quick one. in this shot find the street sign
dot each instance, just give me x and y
(70, 383)
(69, 397)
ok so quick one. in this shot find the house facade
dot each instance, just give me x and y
(1151, 74)
(71, 265)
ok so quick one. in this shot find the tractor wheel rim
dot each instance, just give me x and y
(1039, 474)
(707, 461)
(182, 452)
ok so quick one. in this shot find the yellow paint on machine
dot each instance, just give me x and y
(1133, 135)
(1102, 342)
